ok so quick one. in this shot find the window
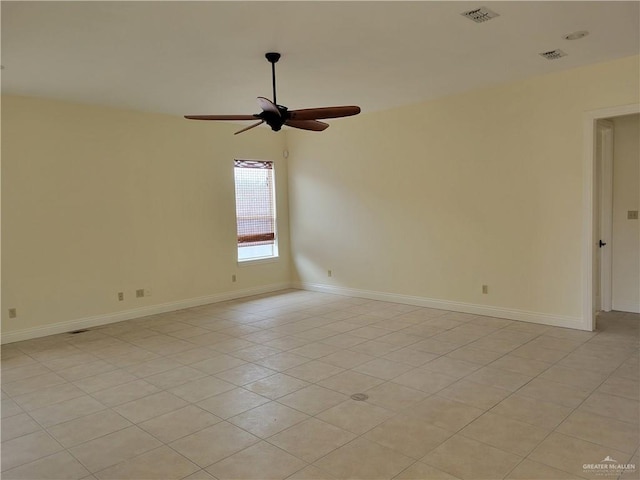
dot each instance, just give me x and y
(255, 210)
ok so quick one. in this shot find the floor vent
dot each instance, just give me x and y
(359, 397)
(75, 332)
(480, 15)
(553, 54)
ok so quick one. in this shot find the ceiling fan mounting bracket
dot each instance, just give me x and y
(272, 57)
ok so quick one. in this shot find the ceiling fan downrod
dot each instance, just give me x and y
(273, 58)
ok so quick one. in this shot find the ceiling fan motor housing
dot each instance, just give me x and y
(274, 120)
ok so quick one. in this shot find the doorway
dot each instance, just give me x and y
(598, 201)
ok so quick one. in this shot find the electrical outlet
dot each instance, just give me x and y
(329, 273)
(233, 278)
(140, 293)
(632, 215)
(147, 292)
(13, 313)
(485, 288)
(120, 296)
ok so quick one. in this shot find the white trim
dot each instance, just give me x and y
(258, 261)
(626, 307)
(274, 200)
(511, 314)
(605, 130)
(590, 118)
(104, 319)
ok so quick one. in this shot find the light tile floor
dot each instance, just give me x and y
(260, 388)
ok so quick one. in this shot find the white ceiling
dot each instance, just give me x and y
(208, 57)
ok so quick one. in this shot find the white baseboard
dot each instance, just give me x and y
(104, 319)
(507, 313)
(629, 307)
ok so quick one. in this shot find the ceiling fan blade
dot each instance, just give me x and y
(307, 125)
(220, 117)
(249, 127)
(323, 112)
(268, 106)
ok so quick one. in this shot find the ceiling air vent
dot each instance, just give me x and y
(553, 54)
(480, 15)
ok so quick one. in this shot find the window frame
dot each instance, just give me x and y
(275, 255)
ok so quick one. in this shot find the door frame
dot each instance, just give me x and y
(589, 236)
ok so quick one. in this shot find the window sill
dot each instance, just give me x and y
(257, 261)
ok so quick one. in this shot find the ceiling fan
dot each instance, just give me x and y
(276, 115)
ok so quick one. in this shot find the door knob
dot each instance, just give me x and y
(601, 243)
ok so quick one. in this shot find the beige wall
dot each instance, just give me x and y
(423, 202)
(98, 201)
(432, 201)
(626, 196)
